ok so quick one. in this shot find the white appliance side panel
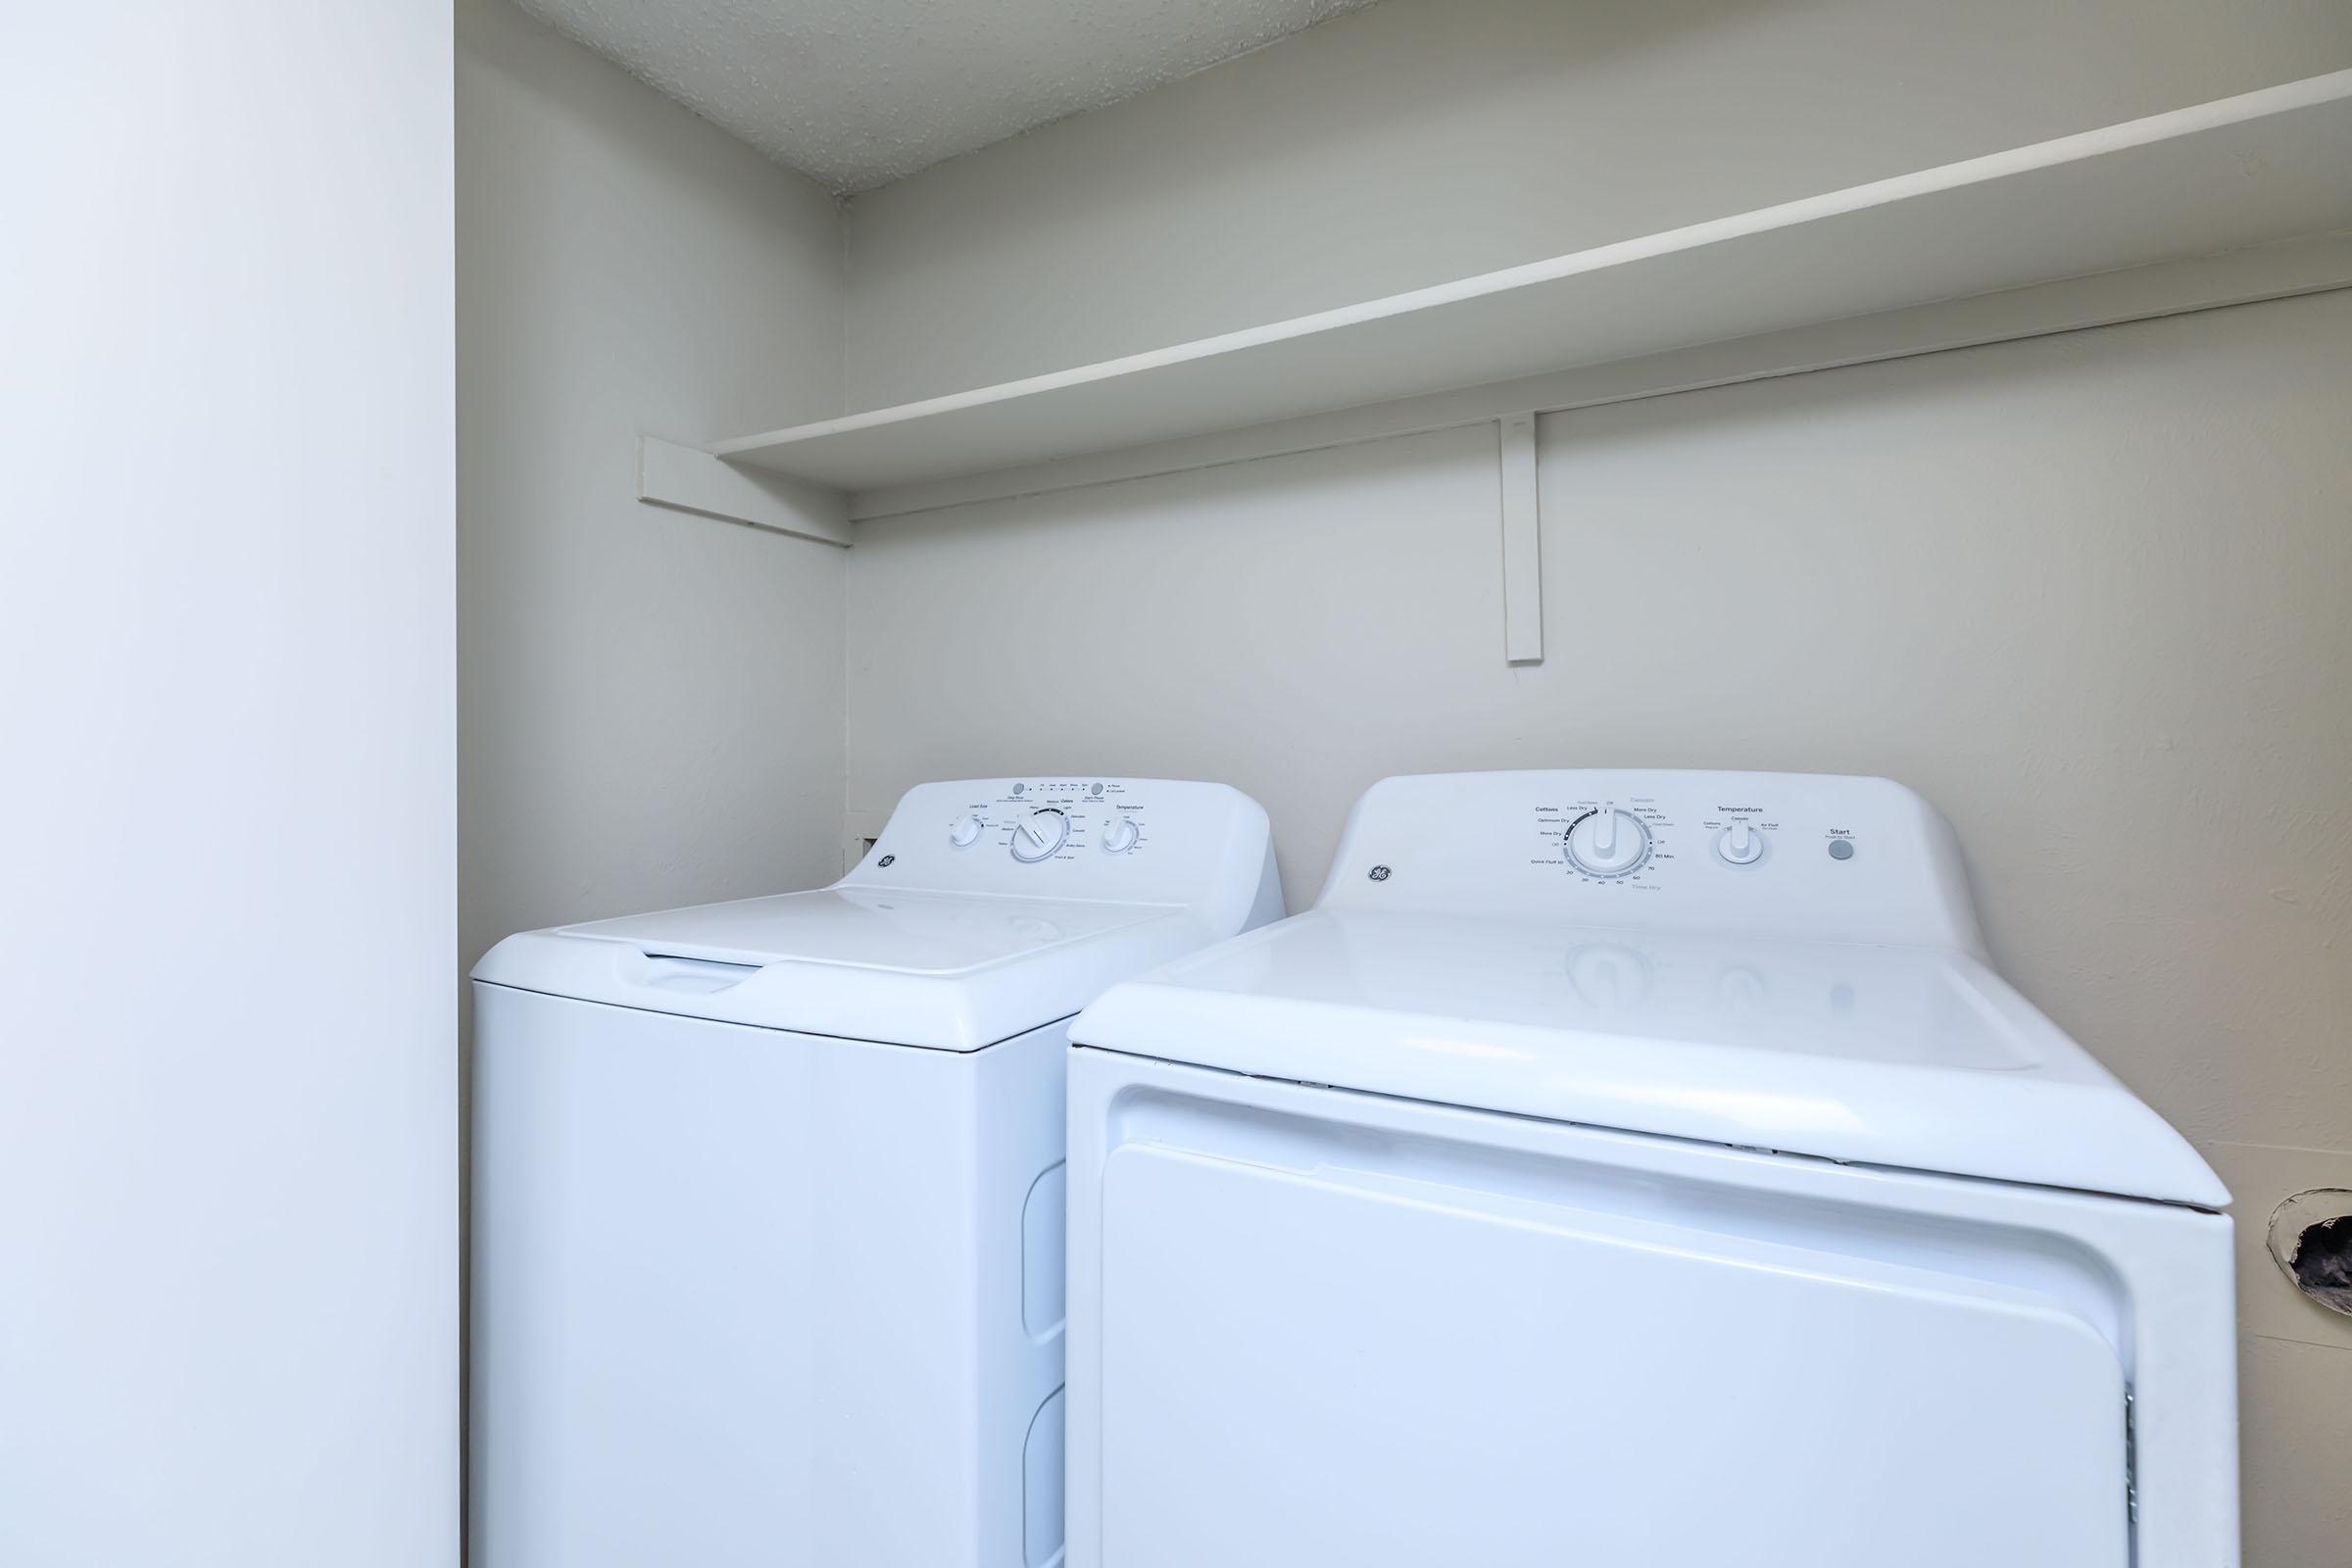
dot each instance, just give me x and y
(1308, 1325)
(1018, 1199)
(726, 1294)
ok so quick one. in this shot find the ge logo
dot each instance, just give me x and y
(1380, 873)
(886, 859)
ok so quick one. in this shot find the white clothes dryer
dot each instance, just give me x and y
(767, 1196)
(1639, 1170)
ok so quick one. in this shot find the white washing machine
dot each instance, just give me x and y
(1641, 1170)
(767, 1196)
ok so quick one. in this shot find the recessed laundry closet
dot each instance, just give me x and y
(1042, 784)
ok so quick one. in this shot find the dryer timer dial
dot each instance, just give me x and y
(1608, 842)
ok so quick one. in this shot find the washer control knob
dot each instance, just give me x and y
(1740, 844)
(965, 832)
(1608, 841)
(1040, 834)
(1119, 835)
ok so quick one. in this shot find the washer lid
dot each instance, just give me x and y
(1916, 1058)
(954, 971)
(914, 932)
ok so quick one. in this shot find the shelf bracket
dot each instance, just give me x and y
(1522, 561)
(686, 479)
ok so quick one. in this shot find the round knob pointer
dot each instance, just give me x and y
(1120, 835)
(1740, 844)
(965, 832)
(1040, 834)
(1608, 841)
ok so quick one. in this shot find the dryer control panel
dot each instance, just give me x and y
(1794, 855)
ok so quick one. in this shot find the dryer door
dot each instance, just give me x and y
(1319, 1346)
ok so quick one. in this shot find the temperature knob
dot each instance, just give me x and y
(1120, 835)
(1740, 844)
(965, 832)
(1039, 834)
(1608, 841)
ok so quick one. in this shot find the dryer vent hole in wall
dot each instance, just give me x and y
(2311, 1241)
(2324, 1263)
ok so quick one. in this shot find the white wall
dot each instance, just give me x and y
(2084, 592)
(650, 703)
(1426, 140)
(228, 1072)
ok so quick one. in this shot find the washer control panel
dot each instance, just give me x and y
(1035, 821)
(1815, 855)
(1135, 840)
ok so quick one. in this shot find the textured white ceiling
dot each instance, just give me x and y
(857, 94)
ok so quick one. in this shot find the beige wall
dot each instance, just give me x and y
(2086, 593)
(650, 703)
(1426, 140)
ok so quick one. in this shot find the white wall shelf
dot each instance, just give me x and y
(688, 479)
(2167, 192)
